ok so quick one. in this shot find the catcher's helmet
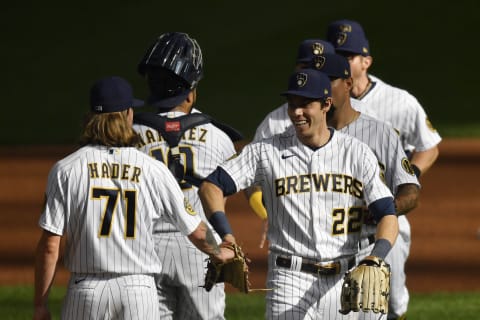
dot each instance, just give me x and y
(177, 52)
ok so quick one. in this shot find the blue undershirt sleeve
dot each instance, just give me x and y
(222, 179)
(382, 207)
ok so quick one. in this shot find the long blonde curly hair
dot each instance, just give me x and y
(109, 129)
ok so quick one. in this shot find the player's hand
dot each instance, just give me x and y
(229, 238)
(263, 238)
(224, 256)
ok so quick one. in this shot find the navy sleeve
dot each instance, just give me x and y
(382, 207)
(222, 179)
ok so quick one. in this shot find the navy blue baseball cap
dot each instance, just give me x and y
(309, 83)
(333, 65)
(112, 94)
(312, 48)
(347, 36)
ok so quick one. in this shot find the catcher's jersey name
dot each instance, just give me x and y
(332, 182)
(195, 134)
(103, 170)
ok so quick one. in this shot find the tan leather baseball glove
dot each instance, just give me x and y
(234, 272)
(367, 287)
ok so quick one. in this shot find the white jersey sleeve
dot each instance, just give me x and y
(383, 140)
(403, 111)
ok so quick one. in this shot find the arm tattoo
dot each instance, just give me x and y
(407, 198)
(212, 242)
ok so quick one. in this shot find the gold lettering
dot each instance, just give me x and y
(347, 188)
(125, 169)
(320, 181)
(336, 183)
(150, 136)
(105, 171)
(136, 174)
(357, 188)
(305, 183)
(279, 187)
(203, 133)
(292, 184)
(93, 169)
(115, 170)
(192, 134)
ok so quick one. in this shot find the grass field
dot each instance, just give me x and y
(16, 304)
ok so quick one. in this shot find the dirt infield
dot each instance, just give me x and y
(445, 227)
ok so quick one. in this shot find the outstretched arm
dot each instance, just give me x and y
(202, 237)
(213, 203)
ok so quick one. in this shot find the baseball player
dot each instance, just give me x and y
(104, 198)
(315, 182)
(310, 54)
(406, 115)
(173, 66)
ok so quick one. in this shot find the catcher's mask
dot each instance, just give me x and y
(177, 52)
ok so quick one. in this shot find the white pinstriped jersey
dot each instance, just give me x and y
(203, 148)
(277, 121)
(105, 200)
(314, 198)
(385, 144)
(403, 111)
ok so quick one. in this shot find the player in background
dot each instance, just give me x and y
(315, 182)
(104, 198)
(402, 110)
(180, 136)
(385, 144)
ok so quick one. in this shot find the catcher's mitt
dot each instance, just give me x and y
(234, 271)
(367, 287)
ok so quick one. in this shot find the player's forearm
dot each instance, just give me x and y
(406, 198)
(387, 229)
(202, 237)
(424, 159)
(45, 266)
(211, 197)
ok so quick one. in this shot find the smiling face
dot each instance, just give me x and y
(309, 118)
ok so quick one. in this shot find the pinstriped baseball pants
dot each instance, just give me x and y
(110, 296)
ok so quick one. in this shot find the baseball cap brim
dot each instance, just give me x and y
(301, 93)
(350, 52)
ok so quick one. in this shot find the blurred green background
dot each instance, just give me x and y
(52, 51)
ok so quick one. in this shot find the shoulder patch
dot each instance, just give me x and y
(407, 167)
(188, 207)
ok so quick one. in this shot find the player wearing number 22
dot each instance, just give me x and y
(104, 199)
(315, 181)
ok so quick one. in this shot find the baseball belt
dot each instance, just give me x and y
(326, 269)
